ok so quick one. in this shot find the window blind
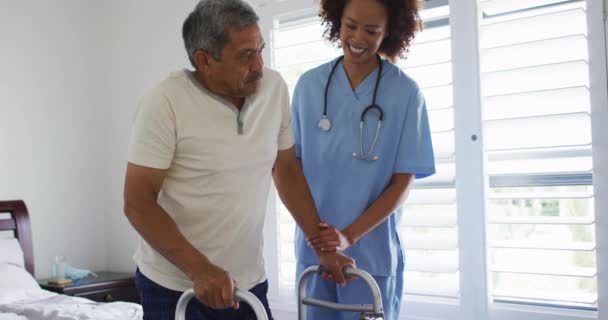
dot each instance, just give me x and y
(429, 229)
(292, 45)
(536, 114)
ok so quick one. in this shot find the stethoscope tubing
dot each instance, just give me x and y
(325, 123)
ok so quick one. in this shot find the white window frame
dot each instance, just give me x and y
(474, 299)
(597, 26)
(465, 18)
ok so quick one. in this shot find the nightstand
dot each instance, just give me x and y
(106, 287)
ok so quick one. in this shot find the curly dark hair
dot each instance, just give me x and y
(403, 23)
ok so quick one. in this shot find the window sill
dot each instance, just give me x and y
(505, 311)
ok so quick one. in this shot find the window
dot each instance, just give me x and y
(429, 229)
(293, 40)
(537, 127)
(533, 214)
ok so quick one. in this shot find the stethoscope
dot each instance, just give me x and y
(325, 124)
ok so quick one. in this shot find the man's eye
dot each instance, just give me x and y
(246, 55)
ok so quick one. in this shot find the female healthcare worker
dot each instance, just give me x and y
(362, 135)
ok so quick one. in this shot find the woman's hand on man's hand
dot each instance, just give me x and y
(329, 239)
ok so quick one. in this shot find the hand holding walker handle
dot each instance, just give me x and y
(374, 309)
(239, 296)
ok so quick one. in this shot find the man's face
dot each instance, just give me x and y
(238, 72)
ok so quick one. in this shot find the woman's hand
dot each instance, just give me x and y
(330, 239)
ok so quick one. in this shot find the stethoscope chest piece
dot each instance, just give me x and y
(324, 124)
(356, 155)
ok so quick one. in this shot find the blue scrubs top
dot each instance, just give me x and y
(342, 186)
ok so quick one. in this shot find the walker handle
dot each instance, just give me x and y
(346, 271)
(375, 308)
(239, 296)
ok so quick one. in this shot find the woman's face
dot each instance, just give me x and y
(363, 27)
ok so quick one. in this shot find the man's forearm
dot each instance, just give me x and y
(295, 194)
(160, 231)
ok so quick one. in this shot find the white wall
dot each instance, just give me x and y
(53, 101)
(146, 46)
(71, 74)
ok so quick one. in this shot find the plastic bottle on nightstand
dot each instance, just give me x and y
(59, 269)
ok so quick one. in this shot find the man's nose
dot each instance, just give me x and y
(257, 64)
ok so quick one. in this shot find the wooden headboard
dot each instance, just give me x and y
(19, 223)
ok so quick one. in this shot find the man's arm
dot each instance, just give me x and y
(295, 194)
(213, 285)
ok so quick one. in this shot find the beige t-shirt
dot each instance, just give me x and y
(218, 175)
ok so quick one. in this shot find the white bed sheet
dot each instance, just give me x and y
(45, 305)
(11, 316)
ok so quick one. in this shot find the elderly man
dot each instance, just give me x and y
(204, 146)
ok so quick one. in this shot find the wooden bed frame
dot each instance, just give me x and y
(19, 224)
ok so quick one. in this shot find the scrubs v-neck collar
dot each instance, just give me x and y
(365, 87)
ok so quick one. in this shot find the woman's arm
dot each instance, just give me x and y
(332, 239)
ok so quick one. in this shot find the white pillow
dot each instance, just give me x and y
(11, 252)
(15, 277)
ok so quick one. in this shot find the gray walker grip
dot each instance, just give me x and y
(370, 310)
(239, 296)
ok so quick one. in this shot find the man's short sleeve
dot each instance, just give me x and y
(153, 137)
(415, 154)
(286, 139)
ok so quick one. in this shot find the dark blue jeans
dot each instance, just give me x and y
(159, 303)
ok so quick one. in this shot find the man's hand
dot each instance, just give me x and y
(335, 262)
(215, 288)
(329, 239)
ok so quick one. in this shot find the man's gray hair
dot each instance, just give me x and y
(206, 28)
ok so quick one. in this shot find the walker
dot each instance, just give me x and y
(239, 296)
(368, 311)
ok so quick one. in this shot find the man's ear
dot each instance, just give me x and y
(202, 60)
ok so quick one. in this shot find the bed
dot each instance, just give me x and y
(20, 295)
